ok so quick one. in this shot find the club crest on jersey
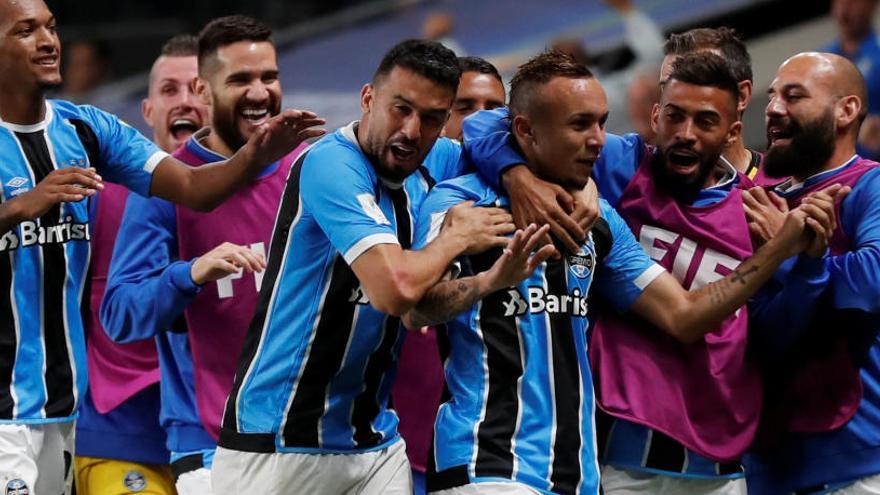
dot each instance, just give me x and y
(17, 486)
(582, 263)
(75, 162)
(134, 481)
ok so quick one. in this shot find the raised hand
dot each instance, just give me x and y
(765, 213)
(518, 260)
(480, 228)
(66, 185)
(822, 219)
(223, 260)
(534, 201)
(586, 206)
(281, 134)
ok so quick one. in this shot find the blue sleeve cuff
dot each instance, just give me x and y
(181, 277)
(810, 269)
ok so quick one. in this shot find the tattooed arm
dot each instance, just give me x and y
(687, 316)
(451, 297)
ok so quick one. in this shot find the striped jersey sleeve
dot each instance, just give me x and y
(343, 199)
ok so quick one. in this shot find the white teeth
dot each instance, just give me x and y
(248, 112)
(183, 122)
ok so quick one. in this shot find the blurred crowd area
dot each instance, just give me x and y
(327, 48)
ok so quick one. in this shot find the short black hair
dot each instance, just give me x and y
(723, 39)
(227, 30)
(706, 69)
(479, 65)
(540, 70)
(428, 59)
(181, 45)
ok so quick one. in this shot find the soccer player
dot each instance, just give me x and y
(119, 442)
(419, 383)
(520, 417)
(829, 396)
(724, 42)
(318, 359)
(480, 88)
(172, 262)
(53, 153)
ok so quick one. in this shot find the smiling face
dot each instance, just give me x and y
(30, 51)
(693, 125)
(403, 115)
(241, 83)
(172, 109)
(562, 131)
(800, 117)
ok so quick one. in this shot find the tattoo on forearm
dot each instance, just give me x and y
(741, 276)
(446, 300)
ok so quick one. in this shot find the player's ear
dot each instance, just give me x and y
(147, 111)
(522, 128)
(745, 95)
(366, 98)
(655, 118)
(733, 133)
(201, 88)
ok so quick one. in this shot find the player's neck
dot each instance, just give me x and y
(215, 143)
(22, 108)
(850, 43)
(738, 155)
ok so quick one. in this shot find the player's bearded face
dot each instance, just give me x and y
(404, 115)
(798, 147)
(246, 91)
(692, 131)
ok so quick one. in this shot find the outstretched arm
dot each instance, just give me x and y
(203, 188)
(687, 316)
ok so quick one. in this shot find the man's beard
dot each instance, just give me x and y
(682, 190)
(811, 145)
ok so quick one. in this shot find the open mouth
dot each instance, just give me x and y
(778, 135)
(47, 61)
(683, 161)
(182, 128)
(403, 152)
(255, 116)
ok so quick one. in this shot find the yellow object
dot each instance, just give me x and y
(96, 476)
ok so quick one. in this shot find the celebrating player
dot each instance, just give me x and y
(521, 405)
(826, 392)
(172, 261)
(121, 407)
(53, 154)
(315, 372)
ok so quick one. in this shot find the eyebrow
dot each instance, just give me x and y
(788, 87)
(702, 113)
(419, 109)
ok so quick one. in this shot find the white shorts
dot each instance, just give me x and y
(197, 482)
(490, 488)
(36, 459)
(864, 486)
(385, 472)
(627, 482)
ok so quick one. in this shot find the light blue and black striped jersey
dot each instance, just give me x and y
(521, 401)
(43, 262)
(317, 364)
